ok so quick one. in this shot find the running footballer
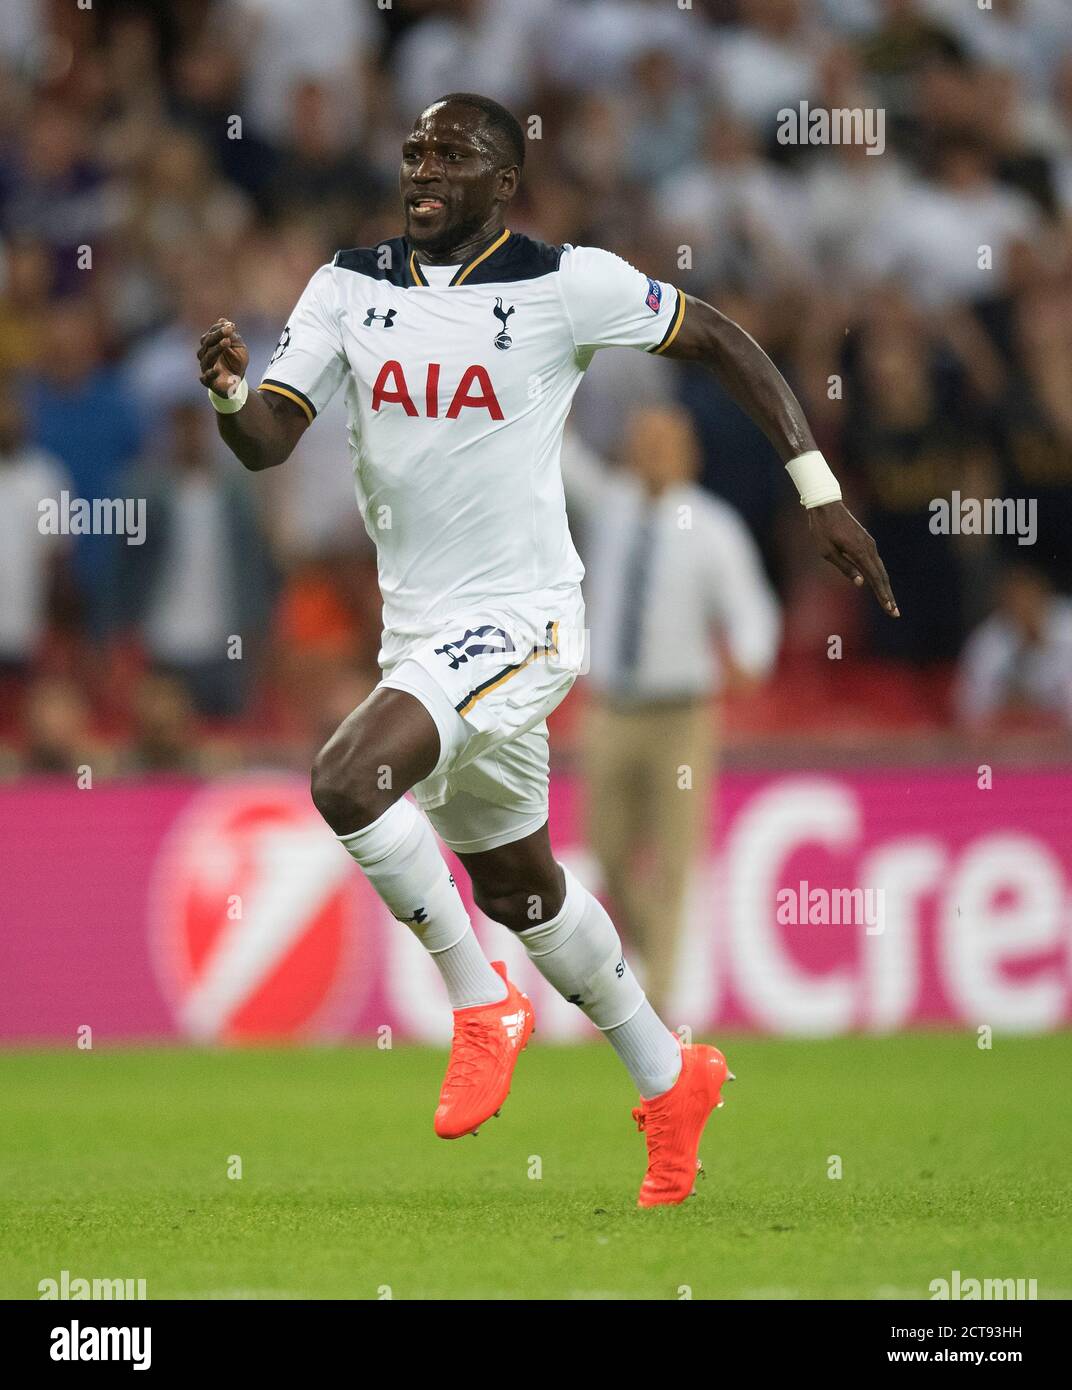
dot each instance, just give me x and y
(460, 345)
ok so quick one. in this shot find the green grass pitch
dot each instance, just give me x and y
(114, 1164)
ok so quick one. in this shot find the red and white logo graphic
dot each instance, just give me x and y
(259, 918)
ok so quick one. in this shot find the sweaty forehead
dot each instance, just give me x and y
(453, 123)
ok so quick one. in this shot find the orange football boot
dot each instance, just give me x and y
(673, 1123)
(488, 1039)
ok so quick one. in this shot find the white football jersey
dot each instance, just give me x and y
(457, 395)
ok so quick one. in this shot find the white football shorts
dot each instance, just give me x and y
(489, 679)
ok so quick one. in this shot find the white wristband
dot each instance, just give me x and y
(234, 400)
(815, 482)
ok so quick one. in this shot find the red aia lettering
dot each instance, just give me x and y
(485, 400)
(392, 371)
(474, 392)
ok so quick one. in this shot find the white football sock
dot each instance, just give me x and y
(649, 1050)
(401, 860)
(580, 954)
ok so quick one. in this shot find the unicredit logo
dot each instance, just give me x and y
(258, 918)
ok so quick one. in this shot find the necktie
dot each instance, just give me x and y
(635, 583)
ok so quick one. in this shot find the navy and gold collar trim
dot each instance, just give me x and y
(464, 271)
(512, 256)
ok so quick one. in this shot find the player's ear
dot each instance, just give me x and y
(509, 178)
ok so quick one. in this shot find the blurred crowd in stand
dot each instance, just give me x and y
(167, 162)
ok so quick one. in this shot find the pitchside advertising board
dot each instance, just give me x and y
(826, 903)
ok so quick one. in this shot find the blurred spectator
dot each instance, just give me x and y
(1024, 36)
(206, 77)
(679, 610)
(596, 154)
(850, 196)
(57, 733)
(741, 216)
(1034, 426)
(1018, 663)
(666, 118)
(489, 46)
(771, 61)
(26, 281)
(54, 189)
(79, 409)
(907, 38)
(158, 366)
(29, 557)
(203, 577)
(20, 30)
(738, 462)
(908, 448)
(596, 44)
(326, 630)
(282, 48)
(164, 737)
(176, 200)
(1062, 134)
(952, 239)
(319, 167)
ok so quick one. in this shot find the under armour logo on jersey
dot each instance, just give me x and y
(457, 653)
(502, 338)
(388, 318)
(513, 1023)
(418, 917)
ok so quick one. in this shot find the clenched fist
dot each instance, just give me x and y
(223, 356)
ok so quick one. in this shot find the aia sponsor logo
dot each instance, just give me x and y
(259, 920)
(474, 391)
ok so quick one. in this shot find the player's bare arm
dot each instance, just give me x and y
(264, 432)
(752, 380)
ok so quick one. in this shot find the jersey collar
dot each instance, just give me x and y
(463, 271)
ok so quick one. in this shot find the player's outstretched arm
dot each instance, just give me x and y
(752, 380)
(264, 431)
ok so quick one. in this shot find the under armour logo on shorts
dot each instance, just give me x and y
(457, 653)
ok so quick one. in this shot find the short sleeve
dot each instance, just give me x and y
(610, 303)
(309, 363)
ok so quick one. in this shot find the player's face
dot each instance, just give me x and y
(452, 179)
